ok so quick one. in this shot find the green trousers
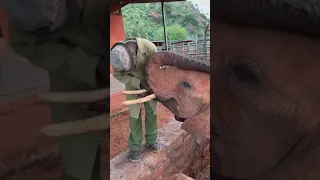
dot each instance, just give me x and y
(135, 138)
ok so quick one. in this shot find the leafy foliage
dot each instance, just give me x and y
(183, 19)
(174, 32)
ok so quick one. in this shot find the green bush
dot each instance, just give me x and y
(174, 32)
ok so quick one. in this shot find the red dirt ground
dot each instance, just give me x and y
(119, 131)
(21, 139)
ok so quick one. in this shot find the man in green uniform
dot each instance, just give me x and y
(128, 60)
(70, 40)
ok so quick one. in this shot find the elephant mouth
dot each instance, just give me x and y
(172, 105)
(179, 119)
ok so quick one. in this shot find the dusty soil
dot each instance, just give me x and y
(120, 132)
(22, 144)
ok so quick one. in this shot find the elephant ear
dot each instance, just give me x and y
(198, 125)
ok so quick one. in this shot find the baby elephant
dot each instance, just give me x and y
(182, 85)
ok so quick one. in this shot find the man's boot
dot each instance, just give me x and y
(155, 147)
(134, 156)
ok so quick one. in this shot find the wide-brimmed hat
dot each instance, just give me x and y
(121, 57)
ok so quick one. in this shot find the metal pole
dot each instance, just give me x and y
(164, 26)
(205, 42)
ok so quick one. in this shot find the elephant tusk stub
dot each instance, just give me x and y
(135, 91)
(75, 97)
(141, 100)
(94, 124)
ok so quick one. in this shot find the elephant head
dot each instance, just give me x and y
(182, 85)
(265, 82)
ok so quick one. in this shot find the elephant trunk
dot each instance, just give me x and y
(161, 59)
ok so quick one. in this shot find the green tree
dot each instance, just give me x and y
(174, 32)
(145, 20)
(138, 21)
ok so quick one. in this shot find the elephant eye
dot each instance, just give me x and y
(185, 85)
(244, 75)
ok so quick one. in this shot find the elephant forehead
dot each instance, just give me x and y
(291, 62)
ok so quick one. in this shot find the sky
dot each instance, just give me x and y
(204, 5)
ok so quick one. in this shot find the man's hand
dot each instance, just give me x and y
(145, 85)
(143, 95)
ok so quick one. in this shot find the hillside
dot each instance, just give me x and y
(183, 20)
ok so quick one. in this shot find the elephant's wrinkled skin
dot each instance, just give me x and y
(265, 112)
(182, 85)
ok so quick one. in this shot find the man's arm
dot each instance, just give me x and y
(127, 79)
(57, 57)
